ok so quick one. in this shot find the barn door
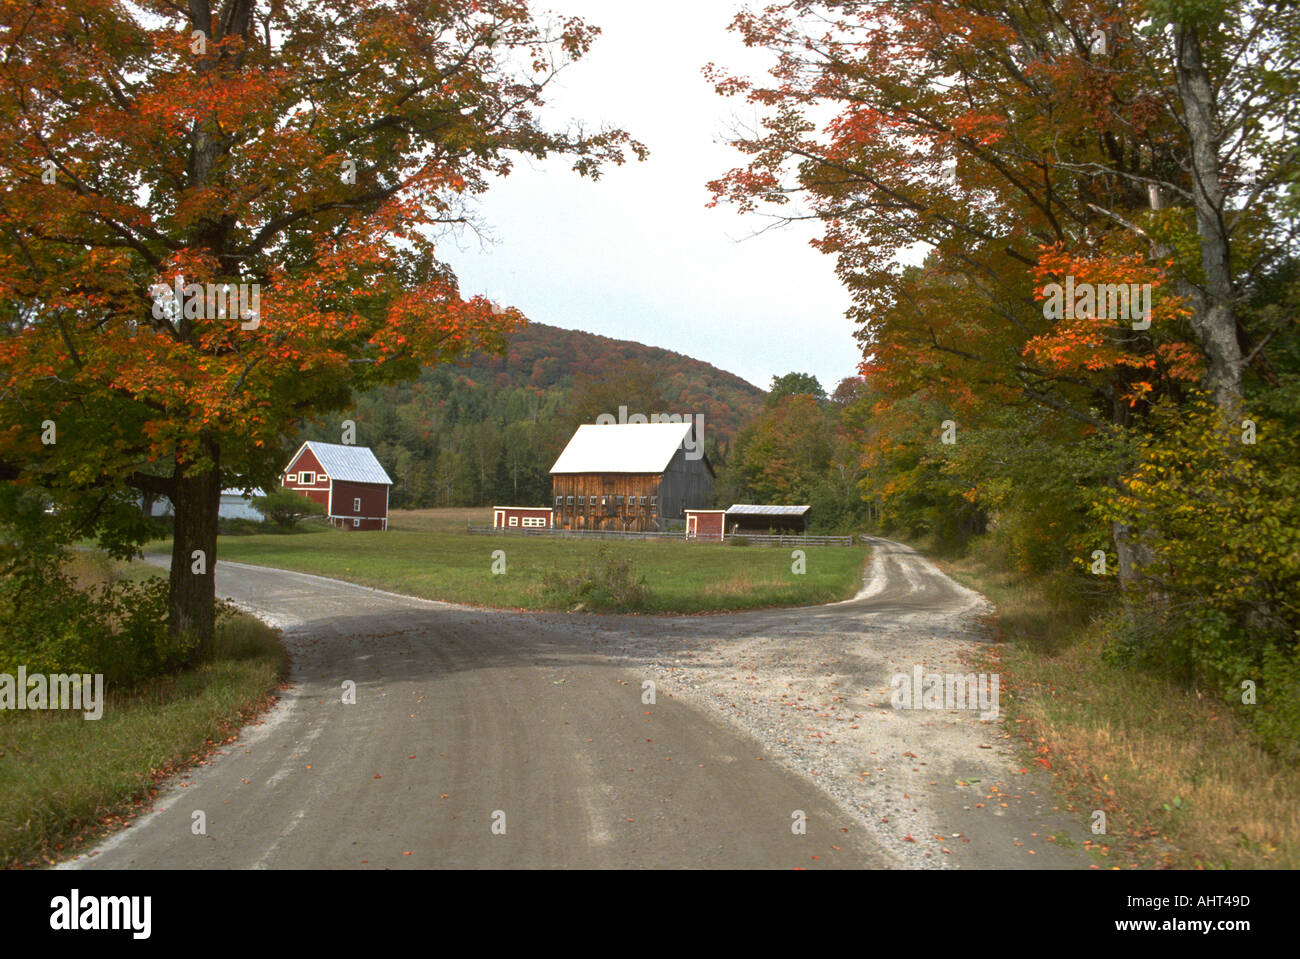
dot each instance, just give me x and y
(692, 523)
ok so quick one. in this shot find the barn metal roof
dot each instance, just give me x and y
(622, 448)
(750, 510)
(352, 464)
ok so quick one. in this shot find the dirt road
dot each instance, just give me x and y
(499, 739)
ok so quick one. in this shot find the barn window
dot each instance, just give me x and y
(356, 522)
(570, 501)
(356, 505)
(559, 501)
(618, 500)
(654, 502)
(514, 521)
(291, 478)
(582, 501)
(643, 500)
(307, 478)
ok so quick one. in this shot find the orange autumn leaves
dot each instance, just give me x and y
(1092, 341)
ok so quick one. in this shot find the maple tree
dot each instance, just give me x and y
(970, 163)
(309, 154)
(1021, 146)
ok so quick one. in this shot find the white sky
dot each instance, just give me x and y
(636, 255)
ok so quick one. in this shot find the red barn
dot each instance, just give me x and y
(347, 480)
(525, 517)
(706, 524)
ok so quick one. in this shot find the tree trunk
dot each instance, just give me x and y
(1130, 553)
(1214, 317)
(193, 585)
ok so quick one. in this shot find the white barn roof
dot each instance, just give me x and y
(622, 448)
(352, 464)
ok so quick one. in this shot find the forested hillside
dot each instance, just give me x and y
(488, 431)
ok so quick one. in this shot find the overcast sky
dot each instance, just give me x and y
(636, 255)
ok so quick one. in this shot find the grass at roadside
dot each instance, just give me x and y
(64, 778)
(429, 555)
(1180, 778)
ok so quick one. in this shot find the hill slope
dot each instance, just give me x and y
(546, 357)
(488, 430)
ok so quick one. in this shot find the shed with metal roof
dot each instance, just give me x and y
(762, 518)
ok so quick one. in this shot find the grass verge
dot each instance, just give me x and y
(1181, 780)
(65, 780)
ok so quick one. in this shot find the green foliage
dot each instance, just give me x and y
(487, 432)
(119, 629)
(1275, 716)
(48, 625)
(801, 450)
(240, 526)
(1221, 535)
(62, 774)
(284, 507)
(794, 384)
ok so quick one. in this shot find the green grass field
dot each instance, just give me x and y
(427, 553)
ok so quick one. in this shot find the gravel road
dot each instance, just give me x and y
(484, 738)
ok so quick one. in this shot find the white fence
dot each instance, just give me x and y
(745, 539)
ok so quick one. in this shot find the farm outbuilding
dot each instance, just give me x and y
(748, 518)
(705, 524)
(347, 480)
(521, 517)
(630, 476)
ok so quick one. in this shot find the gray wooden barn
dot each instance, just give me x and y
(630, 476)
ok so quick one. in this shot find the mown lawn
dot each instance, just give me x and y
(64, 778)
(428, 555)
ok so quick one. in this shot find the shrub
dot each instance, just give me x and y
(239, 526)
(284, 507)
(608, 584)
(118, 629)
(1221, 522)
(1219, 596)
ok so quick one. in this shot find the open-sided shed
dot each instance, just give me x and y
(752, 518)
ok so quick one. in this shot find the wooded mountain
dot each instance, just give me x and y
(487, 431)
